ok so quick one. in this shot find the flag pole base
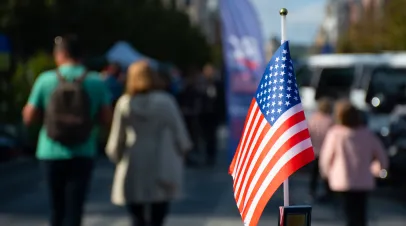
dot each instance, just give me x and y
(295, 215)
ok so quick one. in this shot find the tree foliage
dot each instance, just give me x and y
(161, 33)
(377, 31)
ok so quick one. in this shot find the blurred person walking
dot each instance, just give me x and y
(148, 141)
(72, 102)
(190, 101)
(210, 115)
(350, 157)
(319, 123)
(112, 78)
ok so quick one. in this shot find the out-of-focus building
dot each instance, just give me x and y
(339, 15)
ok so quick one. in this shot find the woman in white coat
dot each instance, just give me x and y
(147, 141)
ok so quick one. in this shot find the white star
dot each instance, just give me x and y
(260, 100)
(268, 104)
(280, 87)
(275, 73)
(283, 66)
(262, 86)
(266, 77)
(271, 68)
(273, 111)
(289, 89)
(279, 103)
(269, 97)
(272, 119)
(276, 66)
(289, 81)
(290, 68)
(273, 103)
(274, 88)
(267, 112)
(282, 73)
(290, 74)
(284, 51)
(274, 96)
(277, 59)
(288, 96)
(295, 97)
(270, 82)
(275, 81)
(287, 103)
(280, 95)
(296, 91)
(279, 110)
(269, 90)
(281, 80)
(257, 95)
(283, 58)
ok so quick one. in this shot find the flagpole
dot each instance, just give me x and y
(283, 12)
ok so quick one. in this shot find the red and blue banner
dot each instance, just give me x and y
(244, 56)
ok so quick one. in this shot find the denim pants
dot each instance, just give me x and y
(68, 182)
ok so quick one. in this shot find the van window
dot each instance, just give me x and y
(335, 82)
(389, 85)
(303, 76)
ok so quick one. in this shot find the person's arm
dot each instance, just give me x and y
(117, 137)
(327, 153)
(380, 156)
(32, 110)
(173, 116)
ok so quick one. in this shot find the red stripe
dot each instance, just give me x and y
(286, 171)
(231, 168)
(260, 138)
(244, 146)
(247, 152)
(294, 140)
(293, 120)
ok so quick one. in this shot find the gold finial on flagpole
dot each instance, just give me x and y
(283, 12)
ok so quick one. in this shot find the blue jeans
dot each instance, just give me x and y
(68, 182)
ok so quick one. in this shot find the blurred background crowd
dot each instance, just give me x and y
(357, 52)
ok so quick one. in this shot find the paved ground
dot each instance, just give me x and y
(208, 200)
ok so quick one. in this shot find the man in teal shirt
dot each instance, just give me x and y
(68, 169)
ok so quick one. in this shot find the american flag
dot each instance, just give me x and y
(275, 140)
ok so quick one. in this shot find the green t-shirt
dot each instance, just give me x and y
(39, 98)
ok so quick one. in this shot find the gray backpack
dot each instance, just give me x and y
(68, 115)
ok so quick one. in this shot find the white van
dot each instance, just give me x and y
(359, 77)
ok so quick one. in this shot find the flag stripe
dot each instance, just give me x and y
(247, 120)
(293, 141)
(283, 135)
(279, 123)
(300, 147)
(287, 170)
(248, 139)
(247, 133)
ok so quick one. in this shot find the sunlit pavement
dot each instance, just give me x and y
(208, 200)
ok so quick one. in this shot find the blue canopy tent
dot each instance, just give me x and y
(124, 54)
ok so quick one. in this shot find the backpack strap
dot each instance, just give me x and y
(82, 78)
(59, 75)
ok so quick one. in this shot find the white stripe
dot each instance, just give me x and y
(278, 144)
(292, 111)
(239, 179)
(289, 155)
(251, 115)
(243, 152)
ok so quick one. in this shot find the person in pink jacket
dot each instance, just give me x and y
(319, 123)
(349, 153)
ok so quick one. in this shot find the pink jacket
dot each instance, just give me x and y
(319, 124)
(347, 157)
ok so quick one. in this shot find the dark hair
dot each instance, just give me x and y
(70, 44)
(325, 105)
(347, 115)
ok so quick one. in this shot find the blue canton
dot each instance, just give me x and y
(278, 92)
